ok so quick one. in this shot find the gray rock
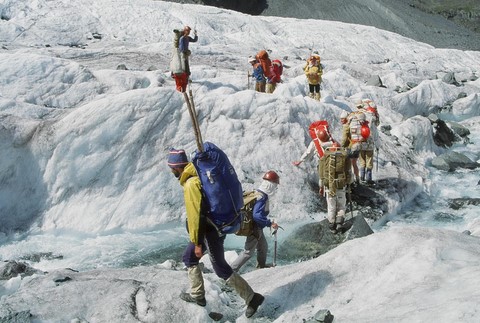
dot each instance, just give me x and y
(375, 80)
(459, 129)
(452, 160)
(461, 202)
(61, 279)
(17, 317)
(315, 239)
(122, 67)
(411, 85)
(443, 136)
(323, 316)
(449, 78)
(10, 269)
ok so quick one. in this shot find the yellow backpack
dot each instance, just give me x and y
(334, 169)
(246, 212)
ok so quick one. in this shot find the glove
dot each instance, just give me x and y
(321, 191)
(296, 163)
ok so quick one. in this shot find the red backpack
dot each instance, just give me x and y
(320, 135)
(277, 68)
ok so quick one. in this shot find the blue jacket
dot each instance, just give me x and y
(261, 210)
(258, 73)
(184, 41)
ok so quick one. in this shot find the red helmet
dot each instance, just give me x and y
(272, 177)
(322, 134)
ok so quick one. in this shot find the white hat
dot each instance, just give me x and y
(344, 114)
(251, 59)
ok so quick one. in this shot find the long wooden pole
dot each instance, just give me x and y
(193, 116)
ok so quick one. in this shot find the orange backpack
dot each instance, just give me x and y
(264, 60)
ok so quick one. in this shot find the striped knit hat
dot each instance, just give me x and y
(177, 158)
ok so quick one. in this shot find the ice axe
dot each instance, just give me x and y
(274, 234)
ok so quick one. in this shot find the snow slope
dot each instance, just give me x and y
(84, 176)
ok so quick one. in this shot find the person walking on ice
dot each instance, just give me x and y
(183, 45)
(261, 210)
(313, 72)
(204, 237)
(335, 178)
(258, 75)
(369, 108)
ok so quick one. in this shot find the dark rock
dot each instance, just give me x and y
(315, 239)
(323, 316)
(215, 316)
(386, 129)
(122, 67)
(17, 317)
(443, 136)
(253, 7)
(461, 202)
(467, 232)
(459, 129)
(462, 95)
(450, 161)
(10, 269)
(61, 279)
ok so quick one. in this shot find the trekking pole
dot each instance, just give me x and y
(350, 200)
(248, 80)
(274, 233)
(376, 157)
(274, 248)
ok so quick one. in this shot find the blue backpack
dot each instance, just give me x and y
(221, 188)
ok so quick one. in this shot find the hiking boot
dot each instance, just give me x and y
(263, 266)
(332, 227)
(341, 228)
(188, 298)
(256, 301)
